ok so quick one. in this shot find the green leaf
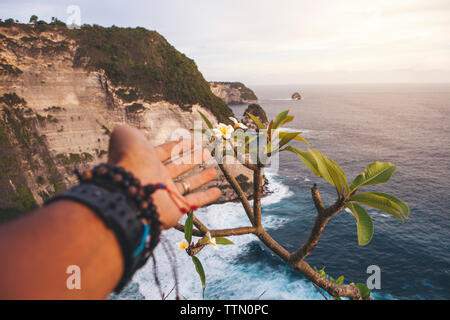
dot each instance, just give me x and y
(188, 227)
(364, 224)
(327, 171)
(321, 272)
(375, 173)
(269, 130)
(379, 202)
(201, 272)
(280, 118)
(364, 290)
(300, 138)
(223, 241)
(286, 137)
(219, 240)
(287, 120)
(204, 240)
(256, 121)
(208, 123)
(340, 280)
(341, 174)
(403, 206)
(307, 159)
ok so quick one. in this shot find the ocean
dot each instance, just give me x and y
(408, 125)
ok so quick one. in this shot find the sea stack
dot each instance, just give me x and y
(257, 111)
(296, 96)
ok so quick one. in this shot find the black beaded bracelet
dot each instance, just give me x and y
(125, 206)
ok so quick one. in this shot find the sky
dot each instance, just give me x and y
(282, 41)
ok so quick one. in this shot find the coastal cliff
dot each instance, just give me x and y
(233, 92)
(63, 91)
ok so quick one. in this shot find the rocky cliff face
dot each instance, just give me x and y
(233, 92)
(58, 107)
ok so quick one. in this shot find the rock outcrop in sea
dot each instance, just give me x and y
(233, 92)
(296, 96)
(257, 111)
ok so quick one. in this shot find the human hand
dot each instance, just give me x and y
(131, 149)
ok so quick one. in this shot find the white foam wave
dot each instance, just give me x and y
(278, 190)
(225, 271)
(303, 131)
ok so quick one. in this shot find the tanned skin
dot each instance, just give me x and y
(37, 249)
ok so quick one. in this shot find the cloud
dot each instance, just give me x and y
(282, 41)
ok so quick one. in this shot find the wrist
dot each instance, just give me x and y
(126, 207)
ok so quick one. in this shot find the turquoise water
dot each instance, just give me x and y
(408, 125)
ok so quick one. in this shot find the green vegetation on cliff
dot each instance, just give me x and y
(135, 58)
(21, 149)
(143, 59)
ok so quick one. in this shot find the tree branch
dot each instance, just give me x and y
(304, 268)
(200, 226)
(333, 289)
(317, 199)
(220, 233)
(323, 216)
(257, 190)
(243, 160)
(237, 188)
(296, 259)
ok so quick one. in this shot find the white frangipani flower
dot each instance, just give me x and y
(212, 241)
(183, 245)
(237, 124)
(223, 131)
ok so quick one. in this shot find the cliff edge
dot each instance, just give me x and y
(233, 92)
(63, 91)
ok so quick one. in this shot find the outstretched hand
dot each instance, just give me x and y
(131, 149)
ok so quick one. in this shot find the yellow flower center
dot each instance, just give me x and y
(183, 245)
(223, 131)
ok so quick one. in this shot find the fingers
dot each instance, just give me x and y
(173, 149)
(126, 140)
(187, 162)
(197, 180)
(202, 198)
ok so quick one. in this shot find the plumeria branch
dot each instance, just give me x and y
(200, 226)
(242, 160)
(323, 216)
(294, 259)
(240, 193)
(257, 194)
(221, 233)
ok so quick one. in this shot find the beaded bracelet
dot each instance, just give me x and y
(140, 197)
(127, 208)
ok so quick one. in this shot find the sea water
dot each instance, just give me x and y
(408, 125)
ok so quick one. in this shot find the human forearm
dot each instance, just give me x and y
(41, 246)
